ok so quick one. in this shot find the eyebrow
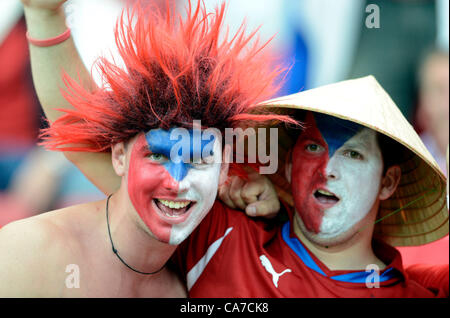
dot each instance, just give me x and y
(313, 139)
(361, 142)
(161, 143)
(144, 148)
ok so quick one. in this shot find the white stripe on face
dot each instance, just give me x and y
(354, 175)
(199, 185)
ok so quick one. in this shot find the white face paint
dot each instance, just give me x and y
(199, 185)
(354, 175)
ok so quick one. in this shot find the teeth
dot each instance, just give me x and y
(175, 204)
(325, 193)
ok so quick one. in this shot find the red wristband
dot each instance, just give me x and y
(50, 41)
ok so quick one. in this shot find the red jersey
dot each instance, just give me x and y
(232, 255)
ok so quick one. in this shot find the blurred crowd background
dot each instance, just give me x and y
(403, 43)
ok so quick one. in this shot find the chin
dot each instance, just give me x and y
(177, 239)
(329, 239)
(181, 232)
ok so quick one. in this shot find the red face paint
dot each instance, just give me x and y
(308, 174)
(147, 181)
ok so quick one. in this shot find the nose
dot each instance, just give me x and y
(170, 184)
(331, 169)
(184, 185)
(176, 182)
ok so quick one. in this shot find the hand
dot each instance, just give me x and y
(257, 196)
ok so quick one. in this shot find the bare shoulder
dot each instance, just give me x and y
(34, 252)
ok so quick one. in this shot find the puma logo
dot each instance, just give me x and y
(268, 266)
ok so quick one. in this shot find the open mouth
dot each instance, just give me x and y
(326, 197)
(173, 209)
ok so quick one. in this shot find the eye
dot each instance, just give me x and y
(157, 157)
(204, 161)
(314, 148)
(353, 155)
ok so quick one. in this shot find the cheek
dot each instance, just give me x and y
(359, 188)
(307, 172)
(203, 188)
(147, 181)
(142, 175)
(203, 183)
(368, 182)
(145, 177)
(308, 175)
(361, 178)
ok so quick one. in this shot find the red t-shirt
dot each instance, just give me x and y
(232, 255)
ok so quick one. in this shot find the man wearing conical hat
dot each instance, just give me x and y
(352, 192)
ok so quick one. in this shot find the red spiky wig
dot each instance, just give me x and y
(176, 71)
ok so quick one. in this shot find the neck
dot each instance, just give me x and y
(135, 245)
(353, 252)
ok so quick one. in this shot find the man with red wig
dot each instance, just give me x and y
(176, 71)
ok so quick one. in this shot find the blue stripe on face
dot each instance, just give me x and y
(335, 131)
(159, 142)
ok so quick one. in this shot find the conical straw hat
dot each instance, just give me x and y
(416, 213)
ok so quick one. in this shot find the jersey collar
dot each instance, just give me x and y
(390, 272)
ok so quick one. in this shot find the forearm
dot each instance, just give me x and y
(47, 63)
(98, 169)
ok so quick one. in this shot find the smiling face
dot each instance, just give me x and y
(172, 196)
(336, 175)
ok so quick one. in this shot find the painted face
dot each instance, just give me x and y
(336, 174)
(172, 195)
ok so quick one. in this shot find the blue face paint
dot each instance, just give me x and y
(335, 131)
(190, 147)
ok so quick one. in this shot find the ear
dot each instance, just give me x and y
(225, 165)
(390, 182)
(118, 154)
(288, 166)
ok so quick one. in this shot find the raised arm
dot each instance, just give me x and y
(46, 19)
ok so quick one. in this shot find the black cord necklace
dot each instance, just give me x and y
(115, 251)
